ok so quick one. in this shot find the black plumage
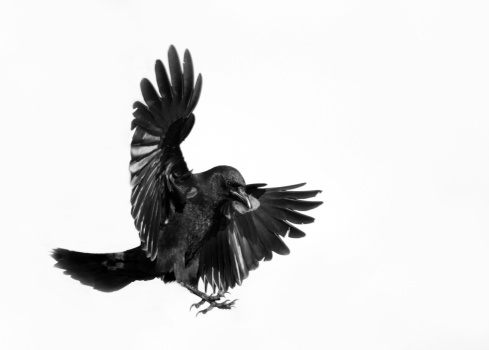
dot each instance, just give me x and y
(210, 226)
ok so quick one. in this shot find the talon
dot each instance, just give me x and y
(205, 310)
(197, 305)
(211, 299)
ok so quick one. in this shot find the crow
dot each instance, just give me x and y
(210, 226)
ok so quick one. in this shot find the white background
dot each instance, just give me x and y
(381, 104)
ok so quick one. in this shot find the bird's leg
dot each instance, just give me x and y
(218, 296)
(203, 296)
(211, 299)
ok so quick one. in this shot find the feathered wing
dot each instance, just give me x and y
(240, 239)
(157, 164)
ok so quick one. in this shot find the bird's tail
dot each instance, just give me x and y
(106, 272)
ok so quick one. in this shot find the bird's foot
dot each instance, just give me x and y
(209, 298)
(197, 305)
(225, 305)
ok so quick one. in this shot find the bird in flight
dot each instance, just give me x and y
(209, 226)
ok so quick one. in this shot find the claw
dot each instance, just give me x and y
(211, 299)
(225, 305)
(197, 305)
(203, 312)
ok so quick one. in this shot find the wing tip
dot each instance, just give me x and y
(187, 56)
(198, 82)
(173, 54)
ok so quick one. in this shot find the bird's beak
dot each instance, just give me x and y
(241, 197)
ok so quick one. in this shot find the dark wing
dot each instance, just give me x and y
(240, 239)
(157, 166)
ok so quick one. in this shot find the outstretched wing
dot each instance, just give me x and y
(157, 166)
(241, 238)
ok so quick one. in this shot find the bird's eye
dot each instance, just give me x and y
(231, 184)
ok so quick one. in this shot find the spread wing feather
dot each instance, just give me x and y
(158, 169)
(237, 242)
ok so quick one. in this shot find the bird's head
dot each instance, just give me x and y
(227, 183)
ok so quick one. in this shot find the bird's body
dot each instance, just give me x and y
(209, 226)
(182, 238)
(183, 235)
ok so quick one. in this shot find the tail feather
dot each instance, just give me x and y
(105, 272)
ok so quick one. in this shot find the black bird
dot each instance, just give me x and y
(210, 226)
